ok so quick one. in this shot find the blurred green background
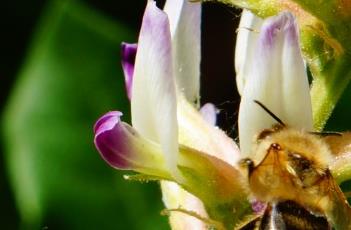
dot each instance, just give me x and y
(60, 71)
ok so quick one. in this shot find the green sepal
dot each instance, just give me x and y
(219, 185)
(143, 178)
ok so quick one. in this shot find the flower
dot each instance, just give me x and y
(171, 140)
(168, 133)
(272, 71)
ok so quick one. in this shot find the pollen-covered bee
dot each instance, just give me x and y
(290, 171)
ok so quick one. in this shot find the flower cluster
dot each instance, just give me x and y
(173, 141)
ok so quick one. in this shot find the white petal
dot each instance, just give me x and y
(185, 23)
(248, 33)
(153, 95)
(175, 197)
(198, 133)
(278, 79)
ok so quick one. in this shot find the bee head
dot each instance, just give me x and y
(285, 163)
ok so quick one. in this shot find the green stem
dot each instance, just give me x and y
(327, 89)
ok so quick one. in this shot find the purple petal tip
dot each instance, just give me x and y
(112, 140)
(128, 60)
(107, 121)
(209, 113)
(283, 24)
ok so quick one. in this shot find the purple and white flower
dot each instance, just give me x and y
(271, 71)
(170, 139)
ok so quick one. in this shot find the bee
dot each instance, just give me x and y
(290, 171)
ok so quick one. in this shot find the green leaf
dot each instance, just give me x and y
(71, 76)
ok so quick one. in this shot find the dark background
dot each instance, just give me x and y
(20, 17)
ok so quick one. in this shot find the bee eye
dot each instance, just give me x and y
(300, 162)
(305, 164)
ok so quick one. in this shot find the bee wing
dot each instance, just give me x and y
(338, 210)
(340, 147)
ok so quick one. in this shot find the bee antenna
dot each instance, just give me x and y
(275, 117)
(326, 134)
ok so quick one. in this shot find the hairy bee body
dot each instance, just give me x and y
(294, 167)
(289, 171)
